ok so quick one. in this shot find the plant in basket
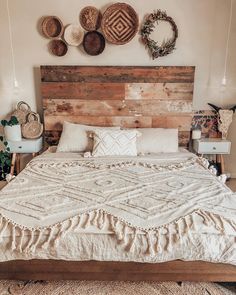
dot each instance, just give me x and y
(5, 158)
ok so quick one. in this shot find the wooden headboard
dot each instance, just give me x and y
(117, 96)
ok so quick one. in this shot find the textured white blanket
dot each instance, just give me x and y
(152, 205)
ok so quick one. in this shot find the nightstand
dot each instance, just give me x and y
(25, 146)
(213, 146)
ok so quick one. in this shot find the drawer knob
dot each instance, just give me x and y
(20, 147)
(214, 148)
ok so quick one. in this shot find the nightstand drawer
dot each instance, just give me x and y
(26, 146)
(212, 146)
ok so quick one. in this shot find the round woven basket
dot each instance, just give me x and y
(94, 43)
(73, 35)
(90, 18)
(32, 128)
(120, 23)
(58, 47)
(22, 111)
(52, 27)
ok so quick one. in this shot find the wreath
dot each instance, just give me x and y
(166, 47)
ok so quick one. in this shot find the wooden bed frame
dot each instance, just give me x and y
(127, 97)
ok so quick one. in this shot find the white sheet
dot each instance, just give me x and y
(149, 209)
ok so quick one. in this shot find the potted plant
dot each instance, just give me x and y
(12, 129)
(5, 159)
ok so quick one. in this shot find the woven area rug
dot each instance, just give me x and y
(110, 288)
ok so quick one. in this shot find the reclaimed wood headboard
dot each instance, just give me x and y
(117, 96)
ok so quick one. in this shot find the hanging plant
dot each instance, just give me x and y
(5, 158)
(156, 50)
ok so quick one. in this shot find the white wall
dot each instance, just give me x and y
(202, 36)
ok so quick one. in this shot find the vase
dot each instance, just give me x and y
(13, 133)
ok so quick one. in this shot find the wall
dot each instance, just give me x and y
(202, 36)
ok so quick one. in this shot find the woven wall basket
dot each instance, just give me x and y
(58, 47)
(52, 27)
(32, 128)
(90, 18)
(22, 111)
(120, 23)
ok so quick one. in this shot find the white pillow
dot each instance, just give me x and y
(115, 143)
(76, 137)
(157, 140)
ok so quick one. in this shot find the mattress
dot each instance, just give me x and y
(150, 208)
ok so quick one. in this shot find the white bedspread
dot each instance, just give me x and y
(148, 209)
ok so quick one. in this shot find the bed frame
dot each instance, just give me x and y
(127, 97)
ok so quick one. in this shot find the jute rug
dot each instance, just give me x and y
(110, 288)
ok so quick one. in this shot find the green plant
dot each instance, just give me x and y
(5, 158)
(12, 122)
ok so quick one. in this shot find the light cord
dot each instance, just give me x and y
(227, 43)
(11, 45)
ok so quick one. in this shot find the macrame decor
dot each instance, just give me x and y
(156, 50)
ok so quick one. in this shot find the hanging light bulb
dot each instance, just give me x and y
(224, 79)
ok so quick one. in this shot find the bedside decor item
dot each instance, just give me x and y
(94, 43)
(22, 111)
(196, 134)
(25, 146)
(33, 128)
(73, 35)
(52, 27)
(12, 129)
(156, 50)
(225, 118)
(120, 23)
(58, 47)
(5, 158)
(90, 18)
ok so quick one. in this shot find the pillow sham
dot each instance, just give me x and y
(115, 143)
(75, 137)
(157, 140)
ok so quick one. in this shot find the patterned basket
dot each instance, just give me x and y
(90, 18)
(22, 111)
(120, 23)
(33, 128)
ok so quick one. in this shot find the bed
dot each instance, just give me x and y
(150, 217)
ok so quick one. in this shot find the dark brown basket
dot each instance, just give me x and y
(120, 23)
(90, 18)
(58, 47)
(94, 43)
(52, 27)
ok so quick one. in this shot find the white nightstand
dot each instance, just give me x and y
(25, 146)
(213, 146)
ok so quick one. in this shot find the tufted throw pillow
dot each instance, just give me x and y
(115, 143)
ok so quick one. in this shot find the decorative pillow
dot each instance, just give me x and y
(157, 140)
(115, 143)
(75, 137)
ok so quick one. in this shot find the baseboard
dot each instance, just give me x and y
(233, 175)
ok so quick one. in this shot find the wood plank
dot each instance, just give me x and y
(111, 74)
(94, 270)
(160, 91)
(76, 107)
(183, 123)
(100, 91)
(56, 122)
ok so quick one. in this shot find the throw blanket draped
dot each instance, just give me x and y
(148, 203)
